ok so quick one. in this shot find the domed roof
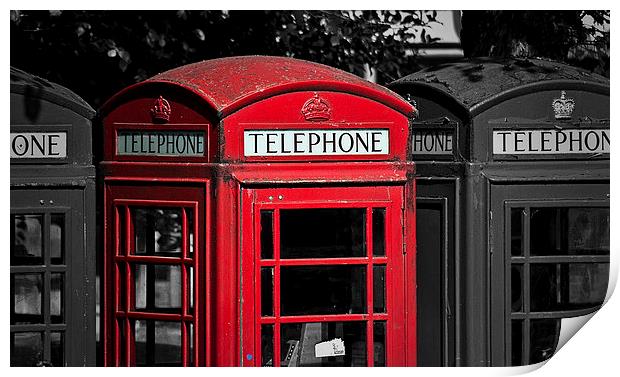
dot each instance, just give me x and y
(31, 85)
(475, 82)
(229, 84)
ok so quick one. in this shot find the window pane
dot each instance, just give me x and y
(266, 234)
(27, 289)
(516, 231)
(516, 287)
(378, 275)
(267, 346)
(343, 344)
(322, 233)
(27, 245)
(380, 343)
(323, 290)
(588, 230)
(168, 343)
(122, 290)
(543, 339)
(190, 231)
(140, 339)
(158, 231)
(157, 286)
(139, 277)
(57, 348)
(378, 232)
(266, 291)
(157, 343)
(517, 343)
(190, 284)
(57, 298)
(568, 286)
(587, 283)
(570, 231)
(544, 293)
(26, 349)
(190, 334)
(57, 238)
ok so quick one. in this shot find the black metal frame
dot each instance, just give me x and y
(506, 198)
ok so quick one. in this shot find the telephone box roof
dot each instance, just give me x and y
(479, 83)
(228, 84)
(30, 85)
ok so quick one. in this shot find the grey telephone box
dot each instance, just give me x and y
(53, 257)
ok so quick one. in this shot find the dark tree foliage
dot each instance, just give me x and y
(558, 35)
(97, 53)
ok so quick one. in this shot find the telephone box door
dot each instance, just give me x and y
(323, 277)
(155, 269)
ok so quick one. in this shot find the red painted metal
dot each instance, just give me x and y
(229, 84)
(256, 200)
(223, 98)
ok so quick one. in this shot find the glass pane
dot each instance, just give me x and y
(27, 245)
(123, 333)
(266, 291)
(57, 348)
(568, 286)
(266, 234)
(121, 225)
(190, 334)
(379, 343)
(516, 231)
(328, 344)
(543, 339)
(517, 343)
(516, 287)
(322, 290)
(57, 238)
(26, 349)
(168, 343)
(140, 330)
(587, 283)
(157, 343)
(168, 286)
(570, 231)
(322, 233)
(588, 230)
(158, 231)
(57, 297)
(190, 284)
(139, 277)
(27, 289)
(378, 277)
(544, 293)
(378, 232)
(266, 334)
(190, 231)
(157, 286)
(122, 291)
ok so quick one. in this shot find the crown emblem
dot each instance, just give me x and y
(160, 112)
(563, 107)
(316, 109)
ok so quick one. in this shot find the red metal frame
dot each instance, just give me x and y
(390, 198)
(119, 344)
(224, 97)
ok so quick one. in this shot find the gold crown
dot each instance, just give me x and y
(563, 107)
(160, 112)
(316, 109)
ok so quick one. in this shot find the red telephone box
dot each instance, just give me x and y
(259, 211)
